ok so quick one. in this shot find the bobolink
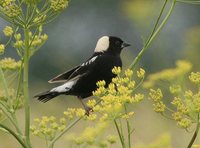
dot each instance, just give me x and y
(81, 80)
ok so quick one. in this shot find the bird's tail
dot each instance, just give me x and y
(46, 96)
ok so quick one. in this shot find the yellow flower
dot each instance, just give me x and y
(111, 139)
(116, 70)
(17, 36)
(80, 112)
(91, 117)
(54, 126)
(188, 94)
(10, 64)
(128, 73)
(91, 103)
(176, 101)
(131, 84)
(175, 89)
(11, 9)
(141, 73)
(2, 48)
(18, 44)
(44, 37)
(159, 107)
(185, 123)
(58, 5)
(156, 95)
(195, 77)
(196, 102)
(101, 83)
(177, 116)
(8, 31)
(138, 97)
(182, 67)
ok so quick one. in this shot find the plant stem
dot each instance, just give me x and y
(195, 134)
(4, 108)
(14, 135)
(128, 128)
(60, 135)
(120, 136)
(154, 32)
(25, 85)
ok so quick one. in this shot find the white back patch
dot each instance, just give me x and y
(64, 88)
(102, 44)
(89, 61)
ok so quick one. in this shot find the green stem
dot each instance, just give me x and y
(61, 134)
(5, 86)
(120, 136)
(154, 32)
(51, 144)
(4, 108)
(25, 85)
(195, 134)
(14, 135)
(128, 128)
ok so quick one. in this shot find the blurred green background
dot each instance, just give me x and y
(73, 36)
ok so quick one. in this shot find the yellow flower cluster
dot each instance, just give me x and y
(182, 67)
(48, 127)
(2, 48)
(10, 8)
(186, 103)
(195, 77)
(175, 89)
(181, 113)
(73, 112)
(9, 64)
(118, 93)
(11, 101)
(88, 136)
(35, 41)
(40, 18)
(141, 73)
(58, 5)
(163, 141)
(8, 31)
(156, 96)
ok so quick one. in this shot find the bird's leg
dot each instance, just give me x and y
(87, 109)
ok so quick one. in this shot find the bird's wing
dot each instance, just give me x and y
(64, 76)
(76, 72)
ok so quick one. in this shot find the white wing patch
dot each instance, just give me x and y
(65, 87)
(90, 61)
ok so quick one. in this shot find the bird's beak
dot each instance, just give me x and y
(125, 45)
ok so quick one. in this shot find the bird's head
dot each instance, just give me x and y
(110, 44)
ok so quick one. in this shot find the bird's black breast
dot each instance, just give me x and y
(101, 69)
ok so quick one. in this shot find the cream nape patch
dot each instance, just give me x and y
(102, 44)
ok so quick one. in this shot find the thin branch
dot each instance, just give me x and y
(154, 32)
(120, 136)
(14, 135)
(195, 134)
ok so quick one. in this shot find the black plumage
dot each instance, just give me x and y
(81, 80)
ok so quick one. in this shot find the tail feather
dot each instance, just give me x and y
(46, 96)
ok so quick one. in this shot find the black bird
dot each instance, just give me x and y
(81, 80)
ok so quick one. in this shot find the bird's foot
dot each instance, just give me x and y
(88, 110)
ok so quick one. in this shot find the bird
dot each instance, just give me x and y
(81, 80)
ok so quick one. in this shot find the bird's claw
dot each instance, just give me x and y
(88, 110)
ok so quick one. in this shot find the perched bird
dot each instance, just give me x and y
(81, 80)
